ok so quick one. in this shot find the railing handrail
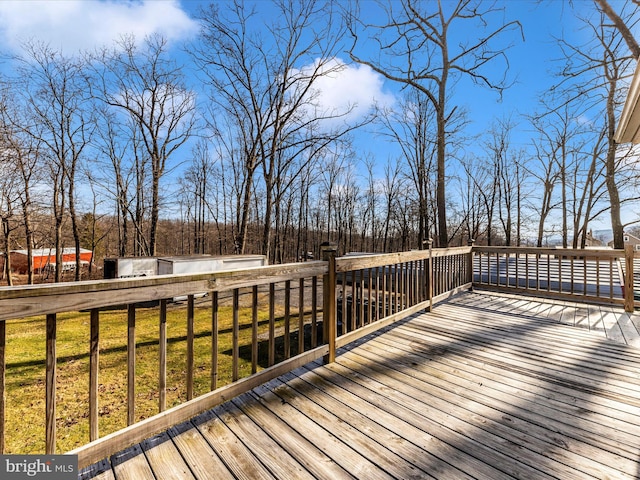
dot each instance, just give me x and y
(604, 253)
(20, 301)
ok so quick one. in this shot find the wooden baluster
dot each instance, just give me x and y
(370, 297)
(415, 280)
(611, 264)
(597, 277)
(190, 338)
(400, 291)
(572, 275)
(548, 272)
(162, 369)
(214, 340)
(329, 318)
(3, 394)
(584, 273)
(560, 274)
(354, 300)
(629, 300)
(287, 319)
(131, 364)
(301, 316)
(506, 267)
(272, 324)
(314, 312)
(235, 335)
(430, 276)
(361, 300)
(94, 352)
(385, 299)
(50, 386)
(343, 295)
(254, 329)
(396, 285)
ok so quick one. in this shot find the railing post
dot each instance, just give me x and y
(50, 386)
(3, 395)
(628, 279)
(430, 275)
(329, 322)
(471, 242)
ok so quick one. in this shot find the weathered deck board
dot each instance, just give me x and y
(486, 386)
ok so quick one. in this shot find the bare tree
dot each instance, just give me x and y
(8, 209)
(621, 25)
(418, 51)
(411, 128)
(21, 151)
(149, 87)
(196, 182)
(594, 72)
(53, 89)
(267, 85)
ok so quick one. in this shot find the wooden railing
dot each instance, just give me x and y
(375, 290)
(589, 275)
(296, 313)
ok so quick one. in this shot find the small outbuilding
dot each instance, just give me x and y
(45, 258)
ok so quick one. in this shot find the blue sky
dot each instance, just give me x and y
(71, 25)
(82, 24)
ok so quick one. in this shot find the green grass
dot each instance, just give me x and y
(25, 357)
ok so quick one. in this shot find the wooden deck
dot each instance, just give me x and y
(487, 386)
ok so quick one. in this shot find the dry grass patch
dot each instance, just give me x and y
(25, 357)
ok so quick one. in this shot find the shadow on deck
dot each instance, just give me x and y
(486, 386)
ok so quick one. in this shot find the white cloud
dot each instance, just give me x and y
(73, 25)
(355, 88)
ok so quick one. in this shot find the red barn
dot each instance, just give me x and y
(44, 258)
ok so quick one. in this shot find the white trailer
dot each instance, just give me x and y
(208, 263)
(128, 267)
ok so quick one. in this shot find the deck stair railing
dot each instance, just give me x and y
(275, 319)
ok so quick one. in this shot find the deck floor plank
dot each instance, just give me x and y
(98, 471)
(316, 462)
(332, 443)
(618, 327)
(531, 443)
(198, 454)
(522, 380)
(486, 386)
(539, 409)
(131, 464)
(165, 459)
(402, 438)
(410, 416)
(277, 459)
(236, 456)
(553, 363)
(354, 433)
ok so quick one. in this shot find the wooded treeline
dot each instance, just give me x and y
(141, 149)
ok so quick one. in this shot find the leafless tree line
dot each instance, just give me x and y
(126, 151)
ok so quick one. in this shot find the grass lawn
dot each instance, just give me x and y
(25, 378)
